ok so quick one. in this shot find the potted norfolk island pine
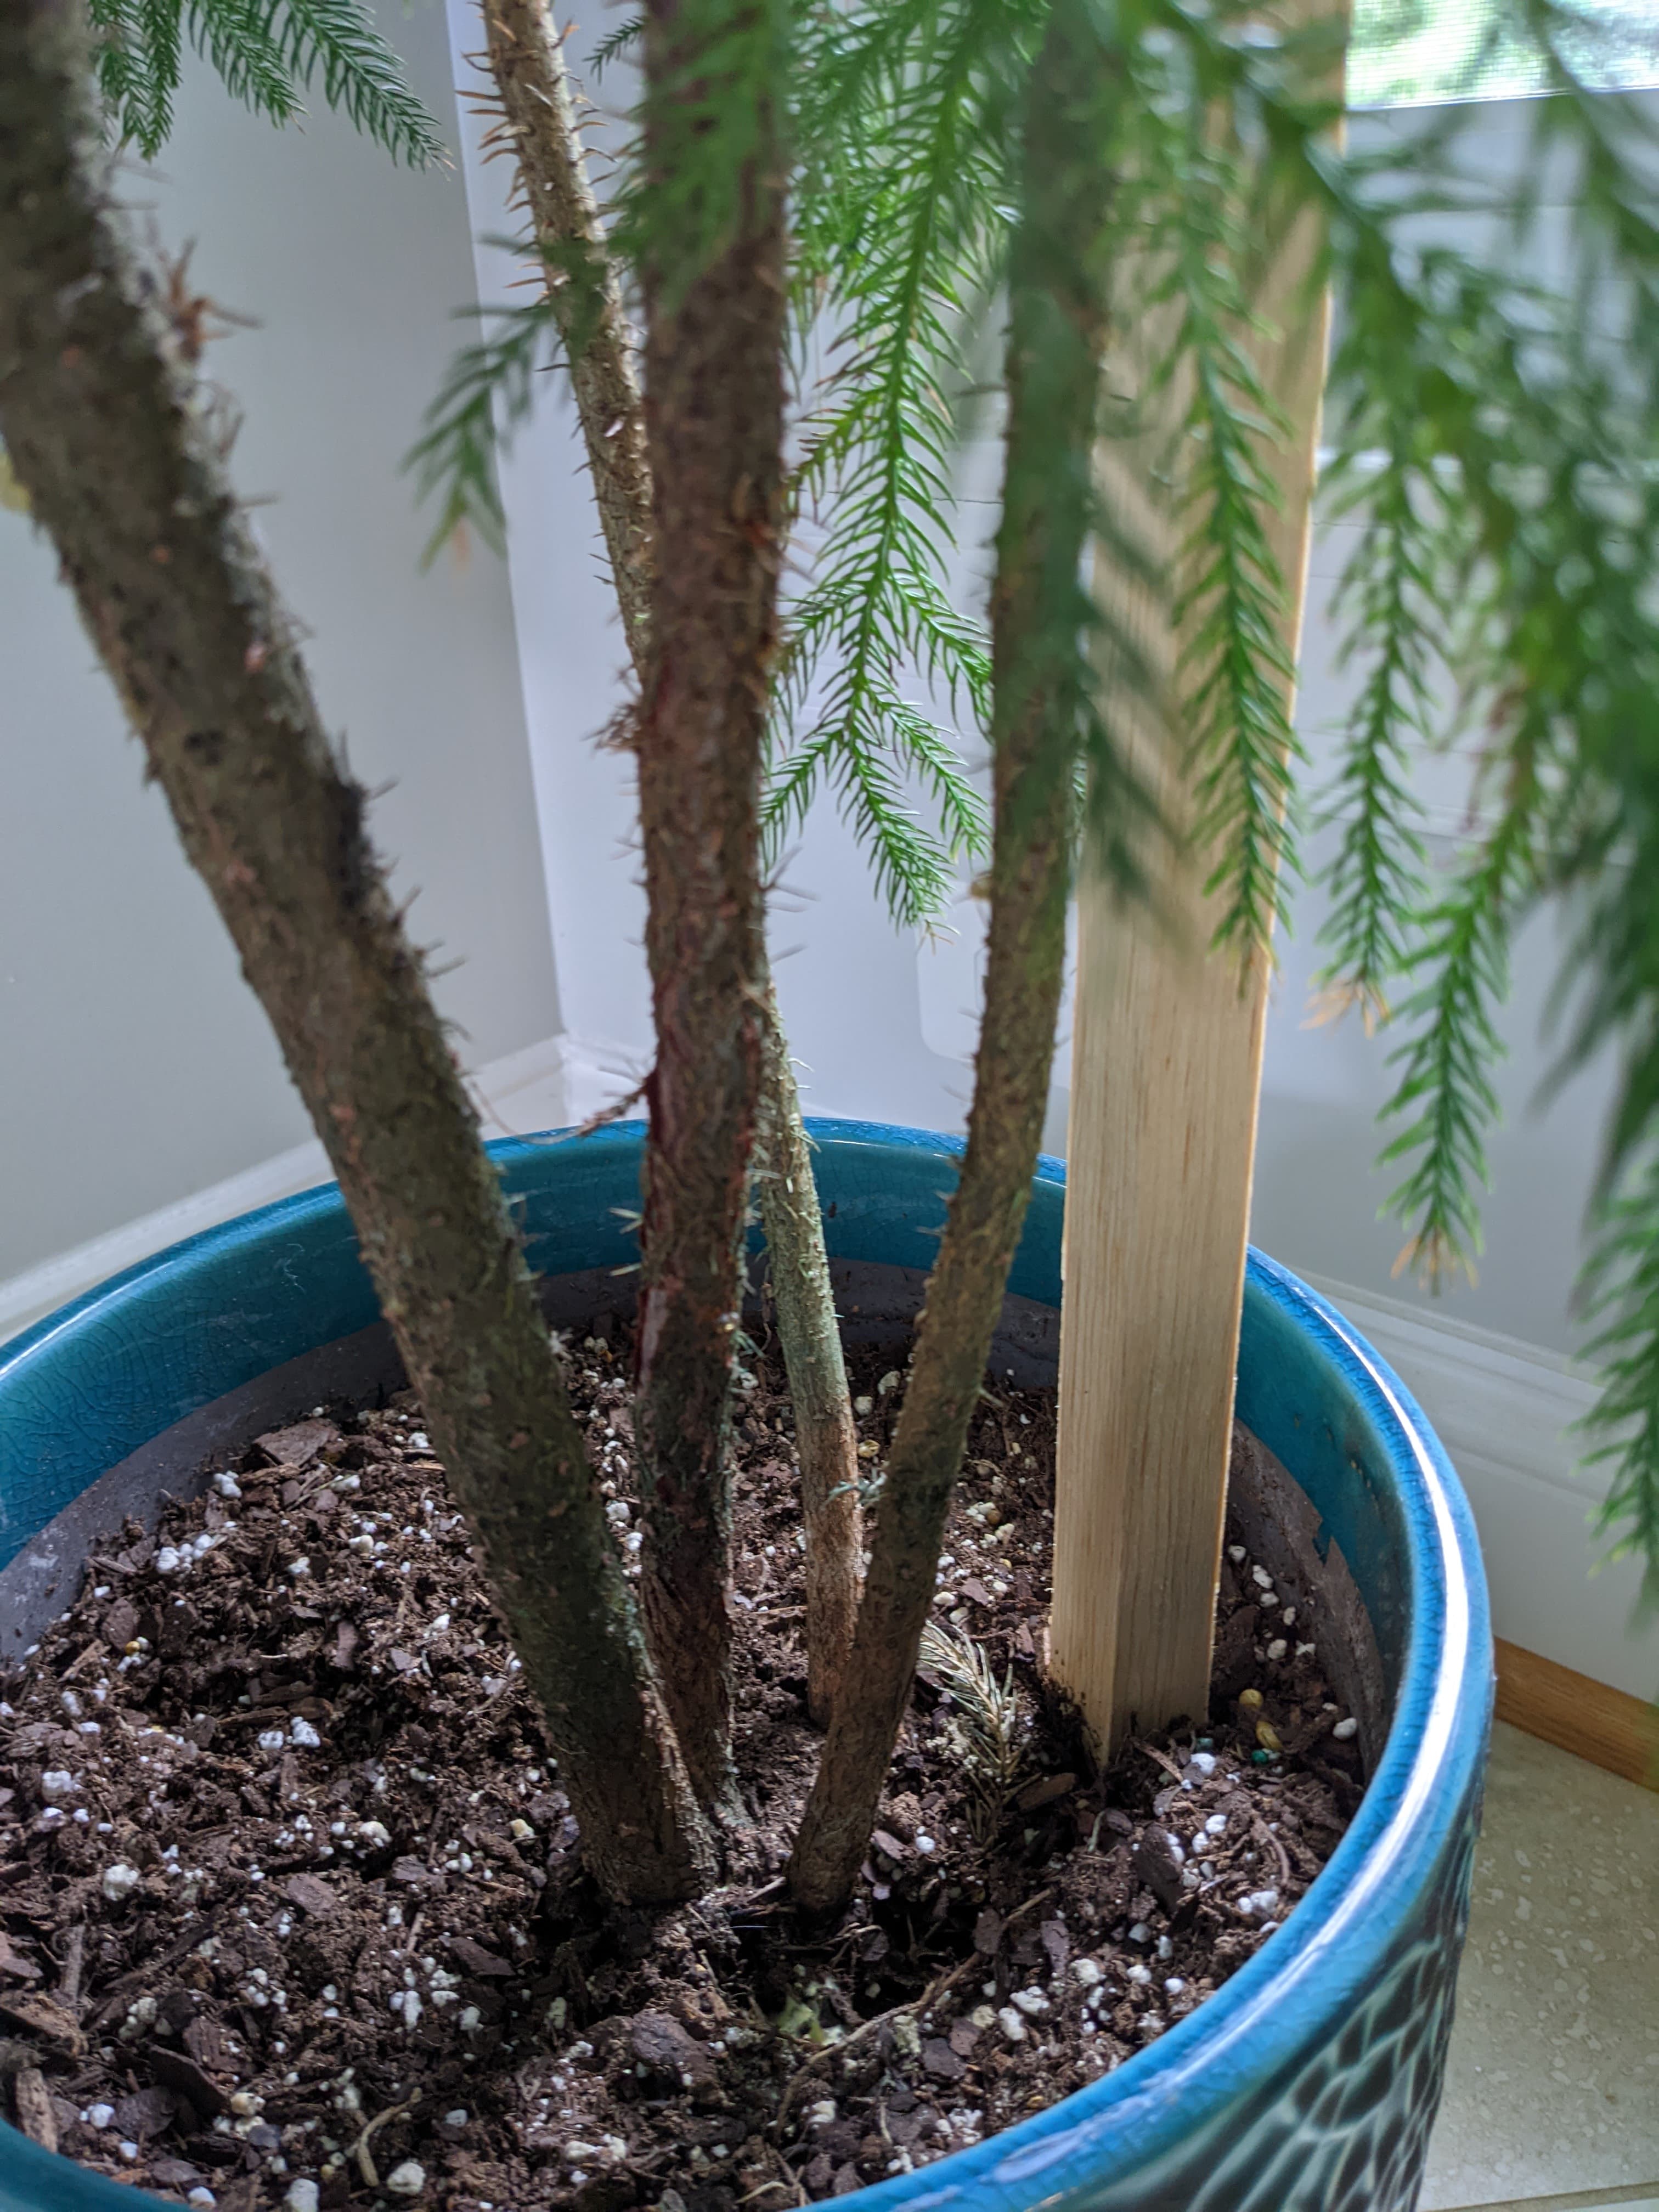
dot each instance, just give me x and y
(572, 1883)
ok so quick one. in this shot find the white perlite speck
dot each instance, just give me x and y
(1032, 2002)
(408, 2180)
(302, 1735)
(56, 1784)
(120, 1880)
(301, 2196)
(1346, 1728)
(1011, 2024)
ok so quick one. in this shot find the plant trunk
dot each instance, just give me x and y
(826, 1438)
(527, 61)
(528, 67)
(714, 292)
(106, 429)
(1053, 368)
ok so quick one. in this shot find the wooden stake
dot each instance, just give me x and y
(1166, 1063)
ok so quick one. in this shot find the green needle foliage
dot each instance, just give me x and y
(1375, 879)
(1445, 1092)
(1496, 441)
(268, 52)
(488, 394)
(1621, 1302)
(1204, 203)
(1504, 452)
(900, 227)
(1498, 455)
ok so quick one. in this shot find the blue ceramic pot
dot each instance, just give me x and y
(1309, 2083)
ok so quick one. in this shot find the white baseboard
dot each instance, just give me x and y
(1502, 1408)
(1503, 1411)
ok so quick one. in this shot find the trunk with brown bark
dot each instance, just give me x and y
(106, 428)
(714, 382)
(1053, 384)
(826, 1437)
(526, 59)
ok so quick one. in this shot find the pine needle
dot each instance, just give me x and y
(985, 1726)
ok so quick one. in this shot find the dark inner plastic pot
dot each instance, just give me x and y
(878, 1305)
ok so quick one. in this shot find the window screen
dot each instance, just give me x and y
(1409, 52)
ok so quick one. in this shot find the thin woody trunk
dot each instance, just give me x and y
(526, 60)
(826, 1437)
(1052, 386)
(106, 429)
(714, 314)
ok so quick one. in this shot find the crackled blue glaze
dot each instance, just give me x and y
(1309, 2081)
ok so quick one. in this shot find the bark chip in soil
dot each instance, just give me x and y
(292, 1913)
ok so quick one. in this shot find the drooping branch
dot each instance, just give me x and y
(712, 251)
(1053, 389)
(107, 432)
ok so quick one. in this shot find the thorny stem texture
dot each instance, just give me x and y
(107, 430)
(527, 61)
(714, 382)
(826, 1437)
(1053, 383)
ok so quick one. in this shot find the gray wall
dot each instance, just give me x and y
(137, 1066)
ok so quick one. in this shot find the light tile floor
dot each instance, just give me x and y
(1552, 2086)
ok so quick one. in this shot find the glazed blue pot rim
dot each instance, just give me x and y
(1336, 1944)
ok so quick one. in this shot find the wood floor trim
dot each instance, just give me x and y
(1608, 1727)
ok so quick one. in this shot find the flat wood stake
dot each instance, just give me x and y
(1166, 1064)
